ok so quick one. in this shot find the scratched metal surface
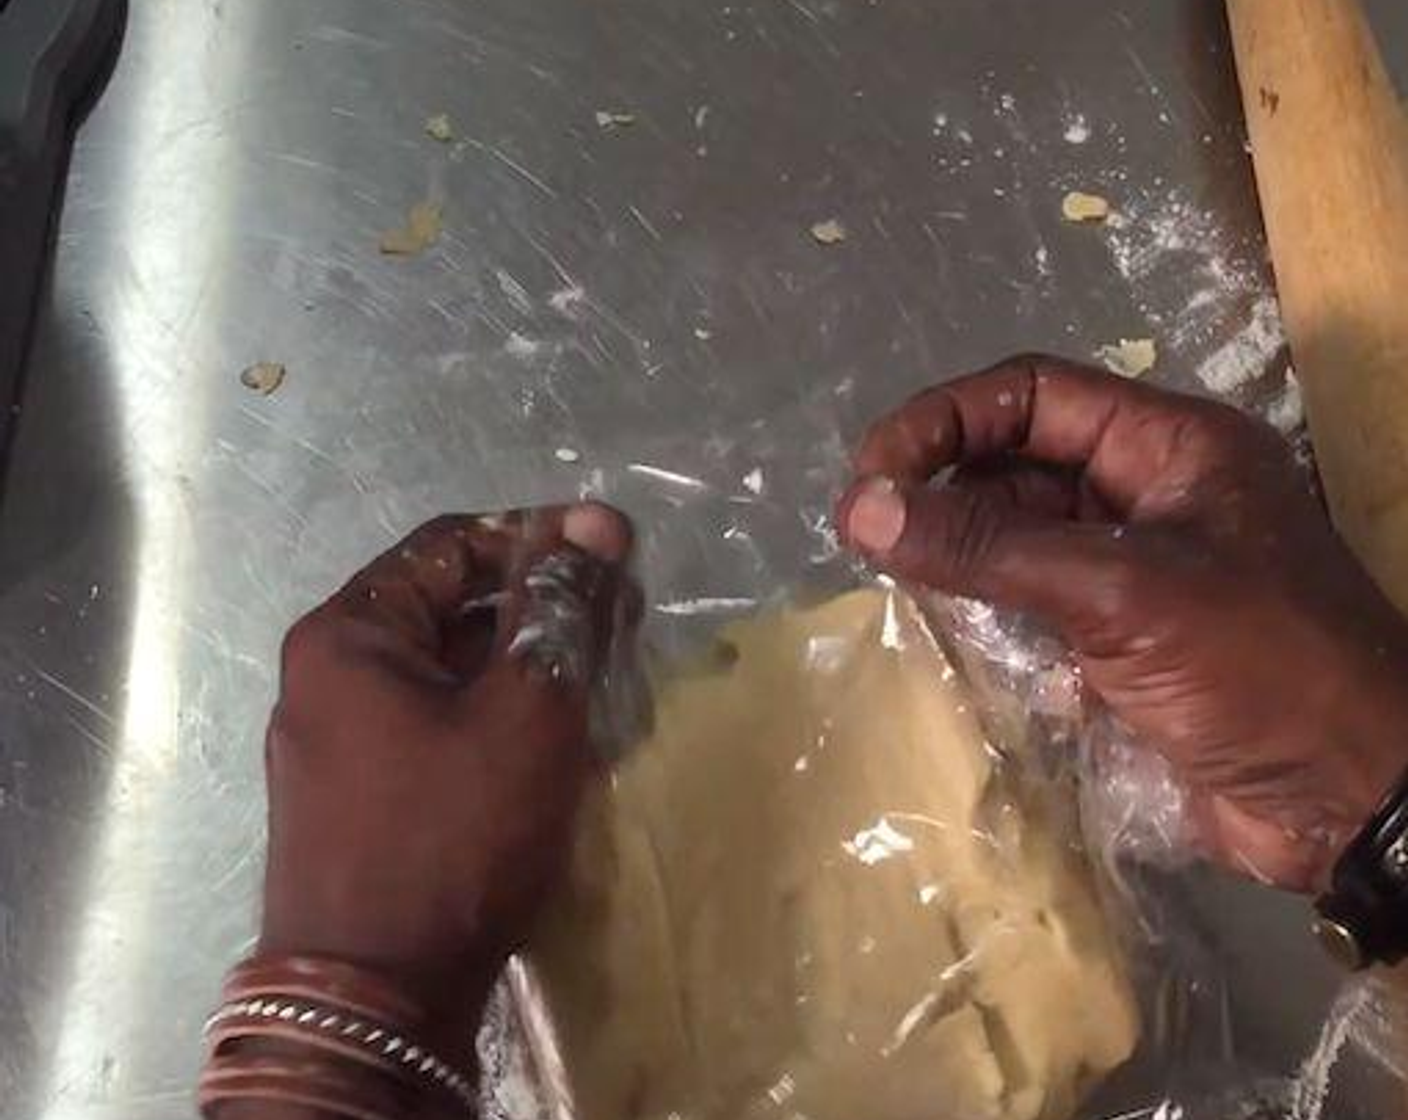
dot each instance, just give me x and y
(637, 308)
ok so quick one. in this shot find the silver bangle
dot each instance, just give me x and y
(378, 1041)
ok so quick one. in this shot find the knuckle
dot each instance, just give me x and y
(1122, 588)
(1227, 433)
(443, 525)
(957, 536)
(974, 528)
(306, 642)
(279, 738)
(1038, 361)
(1039, 366)
(437, 529)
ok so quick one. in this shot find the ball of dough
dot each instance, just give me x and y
(811, 893)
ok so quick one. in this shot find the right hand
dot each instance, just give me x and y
(1176, 548)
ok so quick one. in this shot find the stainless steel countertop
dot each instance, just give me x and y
(643, 299)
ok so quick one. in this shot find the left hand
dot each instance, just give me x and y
(429, 748)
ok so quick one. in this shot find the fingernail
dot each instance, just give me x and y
(596, 530)
(877, 516)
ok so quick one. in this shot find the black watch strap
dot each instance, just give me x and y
(1363, 918)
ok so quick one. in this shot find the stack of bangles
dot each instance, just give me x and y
(326, 1036)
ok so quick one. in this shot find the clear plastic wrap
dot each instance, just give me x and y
(1133, 808)
(818, 889)
(1221, 1032)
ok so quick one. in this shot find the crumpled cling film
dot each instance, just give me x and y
(1133, 806)
(1134, 816)
(736, 1021)
(817, 891)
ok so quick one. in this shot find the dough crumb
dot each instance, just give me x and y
(1130, 357)
(567, 455)
(422, 230)
(1078, 206)
(264, 378)
(608, 118)
(440, 128)
(829, 232)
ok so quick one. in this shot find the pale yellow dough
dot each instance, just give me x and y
(1077, 206)
(810, 894)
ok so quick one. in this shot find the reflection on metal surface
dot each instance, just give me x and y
(649, 297)
(114, 925)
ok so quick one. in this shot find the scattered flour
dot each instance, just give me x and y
(687, 607)
(1204, 292)
(567, 301)
(1248, 353)
(513, 291)
(521, 346)
(1077, 128)
(1312, 1083)
(1287, 412)
(612, 118)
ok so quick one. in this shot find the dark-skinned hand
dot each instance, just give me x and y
(429, 748)
(1177, 549)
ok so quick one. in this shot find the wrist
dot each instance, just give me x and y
(1368, 737)
(310, 1035)
(1373, 741)
(270, 1110)
(452, 990)
(265, 1108)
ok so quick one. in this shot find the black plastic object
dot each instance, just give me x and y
(1364, 915)
(54, 55)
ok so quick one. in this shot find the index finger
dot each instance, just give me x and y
(421, 588)
(1125, 437)
(428, 579)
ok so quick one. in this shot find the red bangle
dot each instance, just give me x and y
(349, 1020)
(325, 1086)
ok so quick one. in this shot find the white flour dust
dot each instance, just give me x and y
(1077, 128)
(707, 605)
(1201, 288)
(1286, 412)
(567, 301)
(1248, 353)
(1311, 1086)
(522, 347)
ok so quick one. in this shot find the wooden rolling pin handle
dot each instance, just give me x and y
(1328, 141)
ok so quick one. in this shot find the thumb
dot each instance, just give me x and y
(562, 601)
(560, 614)
(1082, 578)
